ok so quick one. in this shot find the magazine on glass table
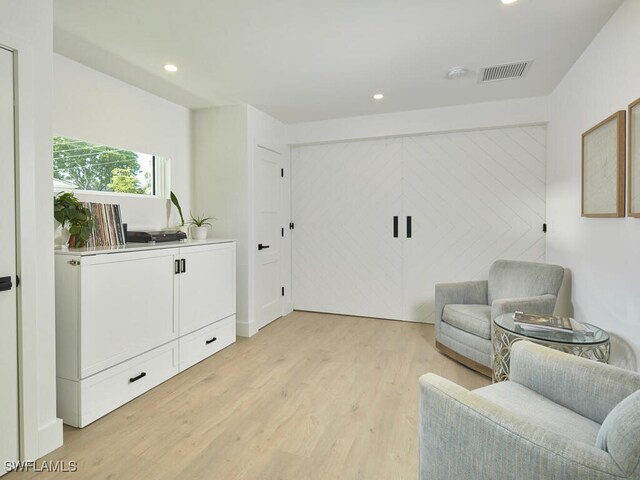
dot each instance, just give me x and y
(549, 322)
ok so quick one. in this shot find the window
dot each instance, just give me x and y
(87, 166)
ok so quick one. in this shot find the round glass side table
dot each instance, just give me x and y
(506, 333)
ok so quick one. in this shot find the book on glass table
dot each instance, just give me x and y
(549, 322)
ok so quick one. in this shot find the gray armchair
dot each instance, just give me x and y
(559, 417)
(464, 311)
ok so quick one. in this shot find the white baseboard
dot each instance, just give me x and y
(49, 437)
(246, 329)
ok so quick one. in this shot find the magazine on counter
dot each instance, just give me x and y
(549, 322)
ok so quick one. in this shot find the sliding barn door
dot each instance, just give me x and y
(345, 257)
(473, 197)
(462, 200)
(8, 305)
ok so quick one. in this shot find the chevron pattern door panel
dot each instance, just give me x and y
(344, 197)
(473, 197)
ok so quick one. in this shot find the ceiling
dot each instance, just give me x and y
(304, 60)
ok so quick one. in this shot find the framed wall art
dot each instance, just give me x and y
(603, 168)
(633, 202)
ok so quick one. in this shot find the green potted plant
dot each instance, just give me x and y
(181, 226)
(199, 226)
(74, 219)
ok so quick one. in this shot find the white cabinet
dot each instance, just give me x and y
(129, 319)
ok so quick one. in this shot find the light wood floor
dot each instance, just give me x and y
(311, 396)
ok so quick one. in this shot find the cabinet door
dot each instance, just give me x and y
(207, 285)
(8, 317)
(346, 258)
(126, 307)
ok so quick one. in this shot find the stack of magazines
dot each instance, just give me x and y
(549, 322)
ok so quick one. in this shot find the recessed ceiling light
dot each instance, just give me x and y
(378, 96)
(508, 2)
(170, 68)
(455, 73)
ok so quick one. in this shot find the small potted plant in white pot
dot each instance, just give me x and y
(199, 227)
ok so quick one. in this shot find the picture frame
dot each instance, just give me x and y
(633, 188)
(603, 168)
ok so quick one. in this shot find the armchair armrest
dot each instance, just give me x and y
(589, 388)
(463, 435)
(475, 292)
(539, 304)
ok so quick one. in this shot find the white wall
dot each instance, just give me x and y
(26, 25)
(506, 113)
(89, 105)
(603, 254)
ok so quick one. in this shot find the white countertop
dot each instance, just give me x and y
(135, 247)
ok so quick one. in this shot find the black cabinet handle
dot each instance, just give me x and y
(184, 265)
(207, 342)
(262, 247)
(5, 284)
(177, 267)
(409, 226)
(395, 226)
(138, 377)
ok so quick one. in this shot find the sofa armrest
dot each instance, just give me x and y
(539, 304)
(462, 435)
(474, 292)
(587, 387)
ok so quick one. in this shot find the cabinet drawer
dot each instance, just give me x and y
(114, 387)
(205, 342)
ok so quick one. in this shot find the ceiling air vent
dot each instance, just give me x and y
(504, 72)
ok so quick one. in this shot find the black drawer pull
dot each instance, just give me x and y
(395, 226)
(183, 269)
(262, 247)
(5, 284)
(138, 377)
(177, 267)
(409, 226)
(207, 342)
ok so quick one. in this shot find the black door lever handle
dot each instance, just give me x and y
(262, 247)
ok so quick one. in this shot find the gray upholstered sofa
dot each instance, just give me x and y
(464, 311)
(559, 417)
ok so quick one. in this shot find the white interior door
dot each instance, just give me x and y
(8, 306)
(268, 223)
(346, 258)
(473, 197)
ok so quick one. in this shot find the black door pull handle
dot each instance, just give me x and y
(207, 342)
(395, 226)
(137, 377)
(184, 265)
(5, 284)
(409, 226)
(262, 247)
(177, 267)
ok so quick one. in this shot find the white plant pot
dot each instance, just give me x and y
(199, 233)
(61, 236)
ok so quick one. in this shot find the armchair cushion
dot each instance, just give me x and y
(511, 279)
(540, 304)
(475, 319)
(620, 431)
(540, 411)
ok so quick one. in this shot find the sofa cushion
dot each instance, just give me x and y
(475, 319)
(540, 411)
(620, 433)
